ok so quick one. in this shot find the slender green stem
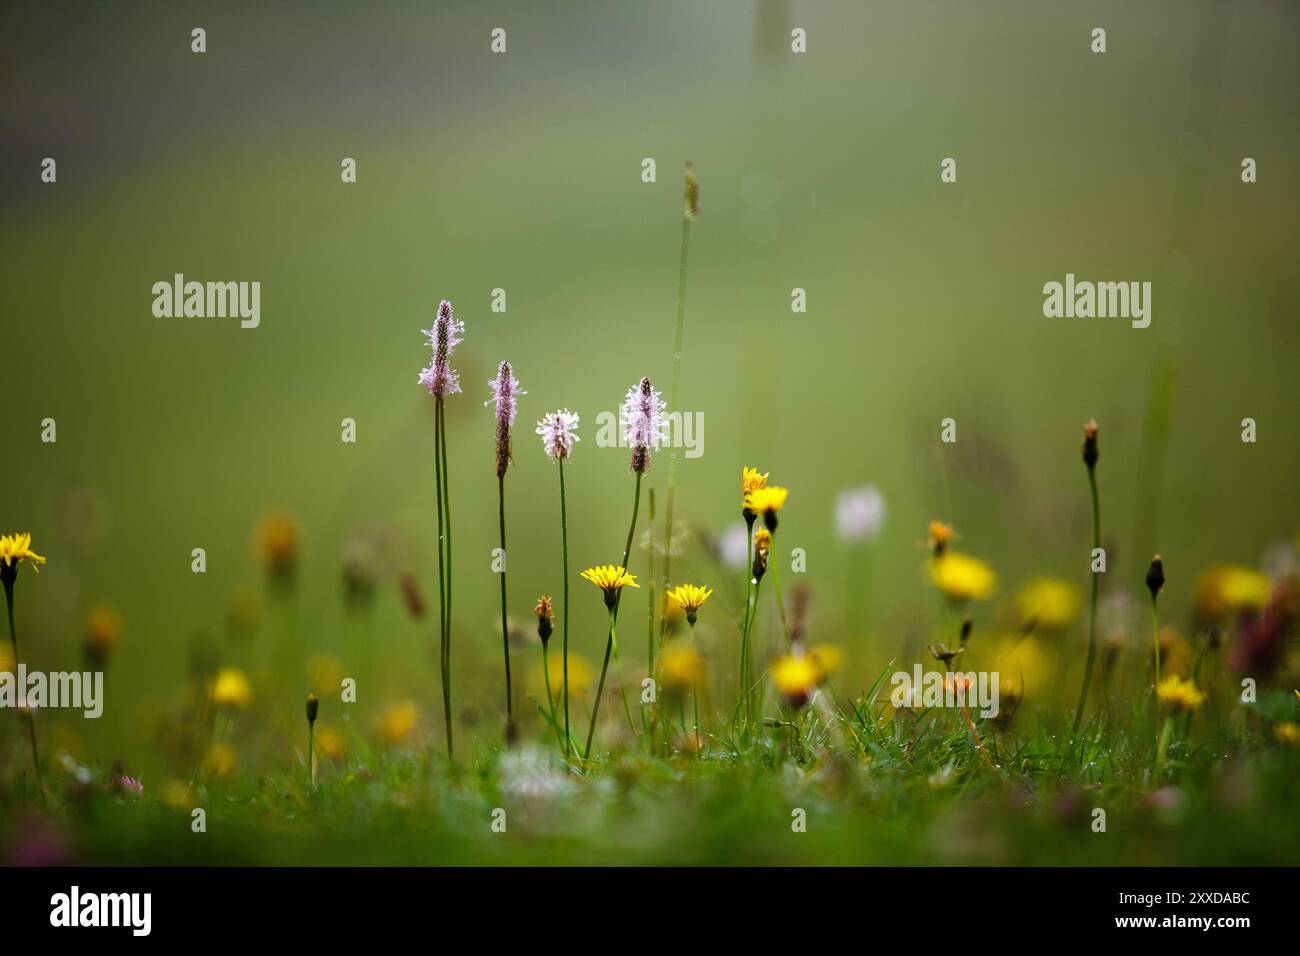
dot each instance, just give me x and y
(775, 563)
(1163, 746)
(550, 698)
(695, 699)
(674, 407)
(1155, 636)
(311, 756)
(748, 687)
(1092, 613)
(650, 592)
(564, 540)
(600, 686)
(505, 636)
(444, 570)
(611, 643)
(744, 624)
(31, 720)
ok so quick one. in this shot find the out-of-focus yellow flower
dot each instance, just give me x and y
(15, 548)
(828, 659)
(941, 535)
(1176, 656)
(329, 741)
(6, 658)
(277, 543)
(1287, 732)
(398, 720)
(1228, 588)
(103, 630)
(1022, 662)
(244, 612)
(961, 577)
(220, 760)
(231, 689)
(580, 675)
(1050, 603)
(796, 677)
(175, 793)
(689, 598)
(326, 674)
(682, 666)
(1179, 694)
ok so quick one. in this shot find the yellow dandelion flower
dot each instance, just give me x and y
(1051, 604)
(220, 760)
(681, 665)
(231, 689)
(689, 598)
(398, 720)
(15, 548)
(1179, 694)
(1226, 589)
(941, 535)
(828, 659)
(750, 481)
(767, 501)
(962, 577)
(103, 629)
(6, 658)
(610, 578)
(796, 677)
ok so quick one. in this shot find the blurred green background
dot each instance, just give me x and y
(522, 171)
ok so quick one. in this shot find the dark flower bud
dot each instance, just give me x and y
(1090, 444)
(313, 707)
(1155, 576)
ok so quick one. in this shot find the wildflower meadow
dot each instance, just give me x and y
(637, 435)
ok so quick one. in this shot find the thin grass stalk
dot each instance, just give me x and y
(444, 657)
(31, 719)
(678, 336)
(505, 636)
(1092, 607)
(564, 543)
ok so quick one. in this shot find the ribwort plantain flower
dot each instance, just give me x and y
(505, 388)
(644, 425)
(691, 200)
(559, 431)
(1090, 444)
(439, 378)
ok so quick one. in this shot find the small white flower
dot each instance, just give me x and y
(859, 513)
(733, 546)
